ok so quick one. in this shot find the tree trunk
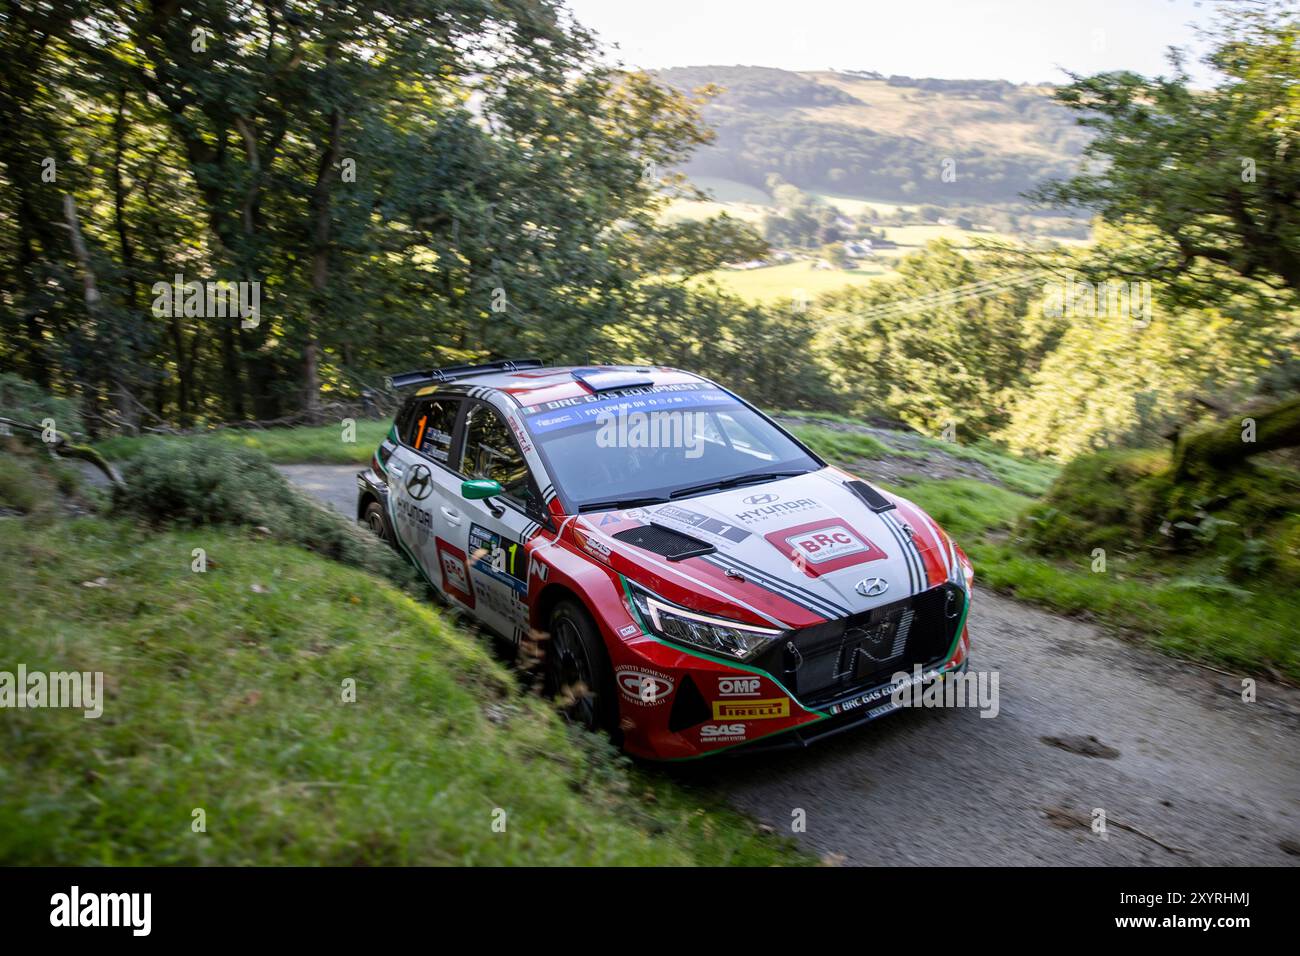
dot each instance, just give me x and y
(320, 246)
(1227, 446)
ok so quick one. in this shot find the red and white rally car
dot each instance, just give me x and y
(696, 577)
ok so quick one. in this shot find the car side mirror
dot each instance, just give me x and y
(476, 489)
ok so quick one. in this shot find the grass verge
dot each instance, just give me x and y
(224, 693)
(1178, 609)
(316, 444)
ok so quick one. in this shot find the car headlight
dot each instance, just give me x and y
(718, 635)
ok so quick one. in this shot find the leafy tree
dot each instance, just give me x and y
(1216, 172)
(945, 343)
(1213, 175)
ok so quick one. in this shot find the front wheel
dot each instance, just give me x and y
(373, 518)
(576, 669)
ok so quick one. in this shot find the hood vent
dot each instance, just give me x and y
(673, 545)
(874, 499)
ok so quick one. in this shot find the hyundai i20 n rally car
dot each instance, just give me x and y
(696, 578)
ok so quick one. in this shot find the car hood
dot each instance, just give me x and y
(794, 551)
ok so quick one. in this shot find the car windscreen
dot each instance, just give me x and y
(639, 445)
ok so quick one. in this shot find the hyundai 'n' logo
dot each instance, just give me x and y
(419, 485)
(760, 499)
(871, 587)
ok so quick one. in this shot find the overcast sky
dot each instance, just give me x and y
(1018, 40)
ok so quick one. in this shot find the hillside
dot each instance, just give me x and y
(867, 136)
(281, 708)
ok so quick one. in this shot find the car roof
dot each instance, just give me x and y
(535, 386)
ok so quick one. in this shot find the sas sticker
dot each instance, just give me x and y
(721, 733)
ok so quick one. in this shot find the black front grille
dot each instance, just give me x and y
(823, 663)
(673, 545)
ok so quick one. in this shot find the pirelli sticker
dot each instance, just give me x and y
(751, 709)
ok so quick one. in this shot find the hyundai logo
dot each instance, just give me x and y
(871, 587)
(760, 499)
(419, 485)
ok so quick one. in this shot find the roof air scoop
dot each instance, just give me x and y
(608, 380)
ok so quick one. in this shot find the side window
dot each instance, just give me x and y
(491, 452)
(429, 427)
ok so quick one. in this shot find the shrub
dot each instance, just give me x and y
(28, 403)
(196, 484)
(1094, 502)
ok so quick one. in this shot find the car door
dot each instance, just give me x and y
(496, 528)
(423, 487)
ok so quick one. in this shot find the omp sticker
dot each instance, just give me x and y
(739, 686)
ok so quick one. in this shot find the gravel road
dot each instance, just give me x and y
(1184, 770)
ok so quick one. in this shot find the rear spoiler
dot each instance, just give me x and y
(449, 373)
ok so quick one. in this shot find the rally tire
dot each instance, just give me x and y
(376, 522)
(576, 671)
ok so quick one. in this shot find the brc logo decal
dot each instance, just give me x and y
(738, 686)
(642, 685)
(822, 546)
(455, 572)
(766, 709)
(826, 544)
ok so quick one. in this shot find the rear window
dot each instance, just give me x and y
(428, 426)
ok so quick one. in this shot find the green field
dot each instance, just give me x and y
(729, 190)
(856, 205)
(688, 209)
(773, 283)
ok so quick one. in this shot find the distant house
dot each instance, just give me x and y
(858, 248)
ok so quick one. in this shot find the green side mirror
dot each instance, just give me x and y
(477, 489)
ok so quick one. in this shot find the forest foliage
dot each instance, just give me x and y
(473, 179)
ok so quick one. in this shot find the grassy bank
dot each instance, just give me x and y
(229, 692)
(322, 444)
(225, 693)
